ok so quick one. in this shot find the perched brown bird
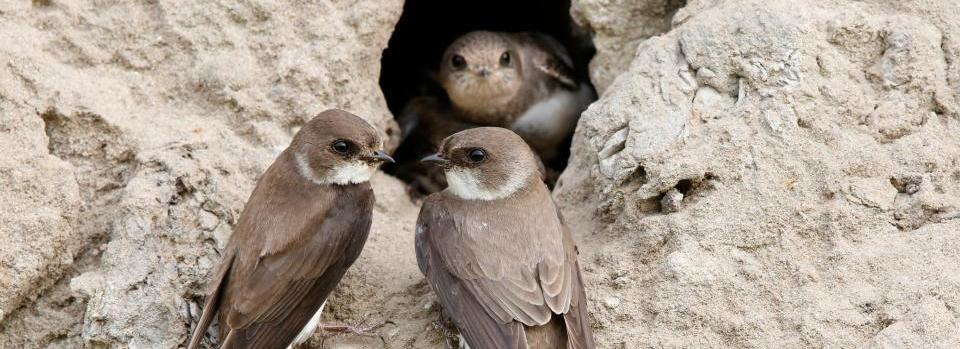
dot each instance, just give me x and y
(495, 250)
(521, 81)
(302, 227)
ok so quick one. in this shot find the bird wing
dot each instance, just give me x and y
(577, 320)
(551, 58)
(477, 326)
(512, 282)
(288, 254)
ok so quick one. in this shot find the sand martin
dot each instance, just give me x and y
(304, 225)
(521, 81)
(495, 250)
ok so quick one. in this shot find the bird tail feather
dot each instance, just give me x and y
(210, 309)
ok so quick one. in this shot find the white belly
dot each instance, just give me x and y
(309, 329)
(463, 343)
(550, 121)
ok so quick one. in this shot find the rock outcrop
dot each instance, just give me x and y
(775, 174)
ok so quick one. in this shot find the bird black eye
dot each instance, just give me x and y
(458, 62)
(477, 155)
(341, 146)
(505, 59)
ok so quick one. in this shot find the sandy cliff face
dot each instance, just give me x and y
(773, 174)
(133, 133)
(762, 174)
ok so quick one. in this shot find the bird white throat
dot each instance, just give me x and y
(465, 184)
(351, 173)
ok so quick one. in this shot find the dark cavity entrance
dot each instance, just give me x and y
(427, 27)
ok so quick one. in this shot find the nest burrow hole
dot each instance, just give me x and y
(427, 27)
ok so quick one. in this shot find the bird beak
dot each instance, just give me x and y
(381, 156)
(435, 159)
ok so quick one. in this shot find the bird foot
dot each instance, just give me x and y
(358, 330)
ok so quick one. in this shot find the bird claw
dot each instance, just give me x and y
(358, 330)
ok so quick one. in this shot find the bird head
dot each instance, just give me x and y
(337, 147)
(486, 163)
(481, 70)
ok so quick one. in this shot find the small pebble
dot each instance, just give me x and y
(221, 235)
(909, 184)
(208, 220)
(671, 201)
(185, 312)
(611, 302)
(706, 73)
(620, 279)
(195, 310)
